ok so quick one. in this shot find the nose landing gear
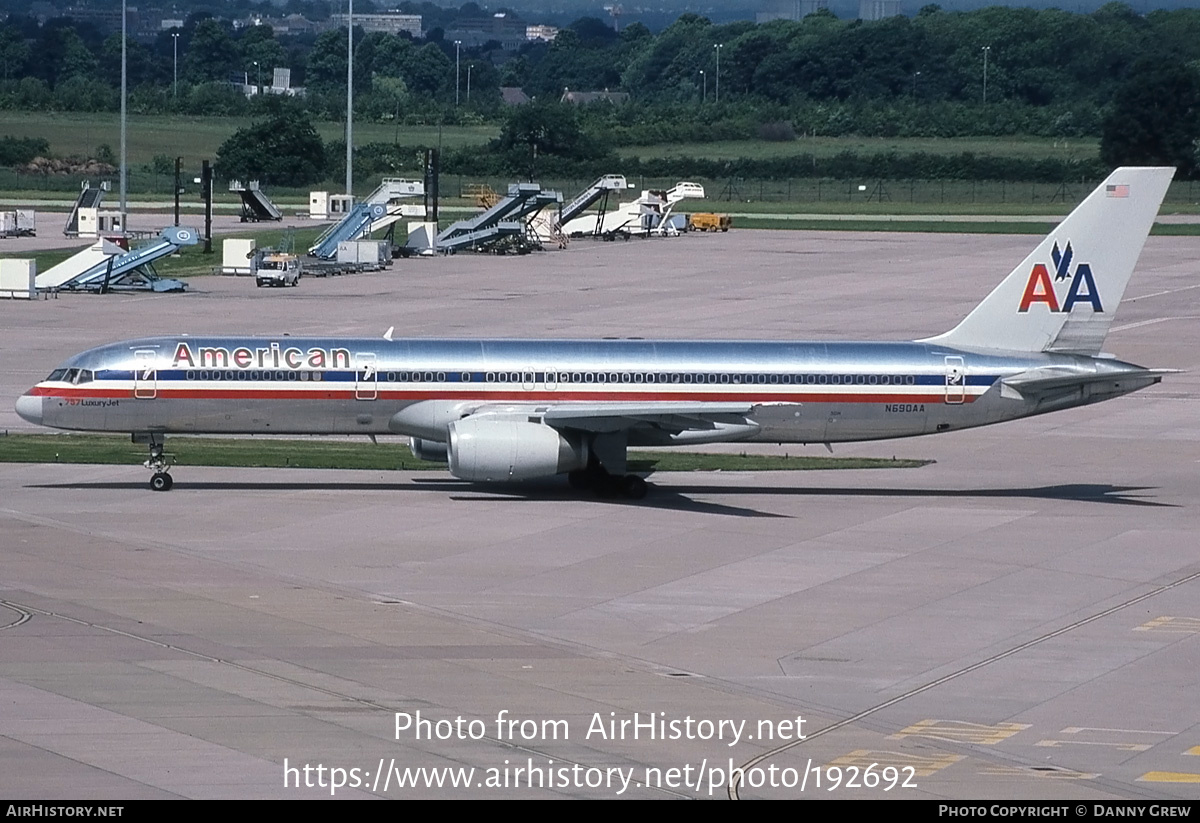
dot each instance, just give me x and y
(159, 462)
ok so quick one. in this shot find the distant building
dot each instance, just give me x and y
(281, 83)
(547, 33)
(388, 23)
(792, 10)
(106, 20)
(43, 11)
(292, 24)
(168, 23)
(878, 9)
(513, 96)
(582, 98)
(475, 31)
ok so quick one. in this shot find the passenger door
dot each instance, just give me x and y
(366, 377)
(956, 380)
(145, 374)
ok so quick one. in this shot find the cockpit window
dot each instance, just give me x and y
(75, 376)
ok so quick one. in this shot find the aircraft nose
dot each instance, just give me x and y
(30, 408)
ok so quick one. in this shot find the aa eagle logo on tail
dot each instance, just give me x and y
(1041, 288)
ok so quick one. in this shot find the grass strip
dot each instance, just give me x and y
(940, 226)
(355, 454)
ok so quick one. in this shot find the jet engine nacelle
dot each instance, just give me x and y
(430, 450)
(511, 450)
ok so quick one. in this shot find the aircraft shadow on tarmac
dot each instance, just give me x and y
(1074, 492)
(659, 498)
(679, 498)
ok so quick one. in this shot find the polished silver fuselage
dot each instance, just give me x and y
(795, 391)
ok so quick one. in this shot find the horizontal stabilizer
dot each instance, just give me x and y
(1037, 383)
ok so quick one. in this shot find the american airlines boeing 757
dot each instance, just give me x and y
(498, 410)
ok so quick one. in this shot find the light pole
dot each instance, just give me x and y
(703, 87)
(469, 67)
(124, 87)
(717, 95)
(257, 79)
(457, 47)
(350, 98)
(175, 55)
(915, 76)
(986, 50)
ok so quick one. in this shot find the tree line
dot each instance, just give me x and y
(999, 71)
(1065, 65)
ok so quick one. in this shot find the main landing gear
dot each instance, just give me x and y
(607, 485)
(605, 470)
(160, 463)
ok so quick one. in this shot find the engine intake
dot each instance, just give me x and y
(511, 450)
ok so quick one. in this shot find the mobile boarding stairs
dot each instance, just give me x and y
(372, 214)
(504, 221)
(128, 271)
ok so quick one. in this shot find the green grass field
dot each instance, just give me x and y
(360, 454)
(197, 138)
(866, 196)
(1028, 147)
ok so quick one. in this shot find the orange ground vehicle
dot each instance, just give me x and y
(707, 221)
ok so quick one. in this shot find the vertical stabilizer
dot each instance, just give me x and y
(1064, 295)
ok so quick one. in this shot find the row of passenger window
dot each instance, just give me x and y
(721, 378)
(279, 376)
(708, 378)
(655, 377)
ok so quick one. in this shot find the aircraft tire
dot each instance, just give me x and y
(161, 482)
(633, 487)
(607, 488)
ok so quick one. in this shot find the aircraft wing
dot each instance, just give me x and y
(607, 417)
(612, 417)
